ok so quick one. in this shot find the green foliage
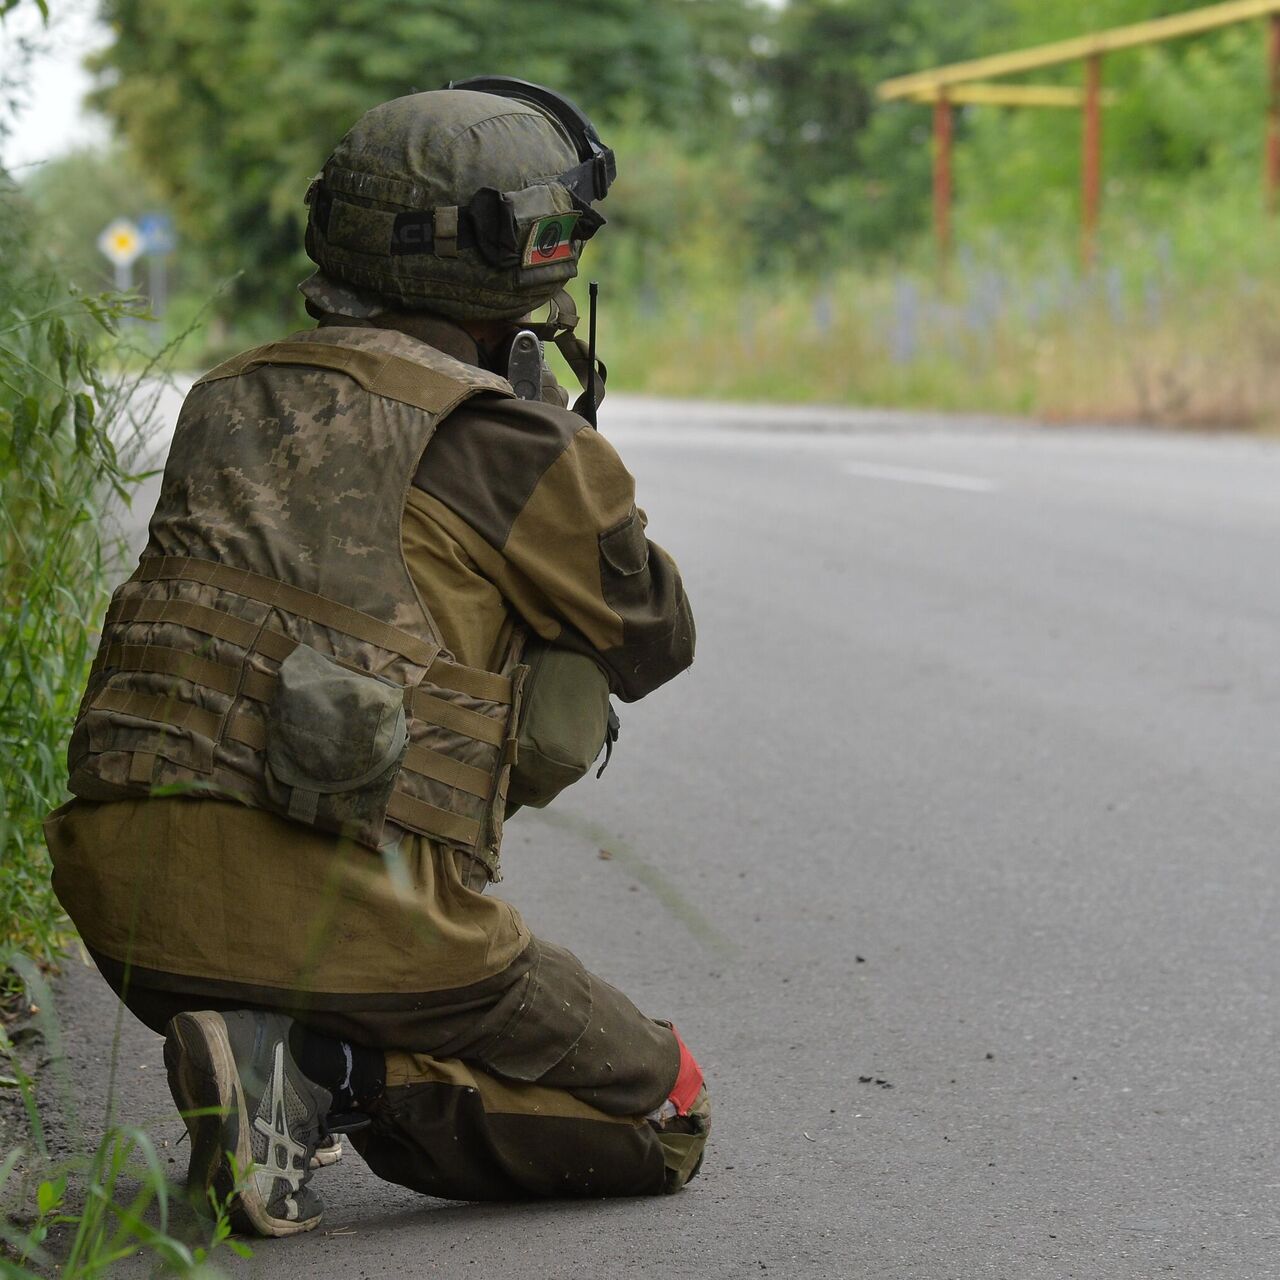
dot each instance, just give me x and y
(79, 1217)
(1183, 138)
(234, 106)
(124, 1187)
(678, 219)
(8, 6)
(750, 138)
(62, 425)
(841, 174)
(1145, 338)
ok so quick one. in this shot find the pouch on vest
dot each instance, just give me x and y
(335, 742)
(563, 723)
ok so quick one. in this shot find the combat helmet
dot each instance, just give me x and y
(471, 201)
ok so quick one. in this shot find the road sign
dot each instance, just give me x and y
(156, 230)
(121, 242)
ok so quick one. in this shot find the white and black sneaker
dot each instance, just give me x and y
(255, 1120)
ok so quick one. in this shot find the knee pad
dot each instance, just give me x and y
(683, 1140)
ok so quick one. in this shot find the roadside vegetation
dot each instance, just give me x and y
(61, 429)
(78, 1216)
(1148, 337)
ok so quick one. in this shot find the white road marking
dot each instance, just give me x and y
(914, 475)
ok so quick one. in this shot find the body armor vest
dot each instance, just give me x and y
(271, 646)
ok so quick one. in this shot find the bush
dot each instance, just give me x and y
(68, 434)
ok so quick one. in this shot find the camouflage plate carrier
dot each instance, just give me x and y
(271, 647)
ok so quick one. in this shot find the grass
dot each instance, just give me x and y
(1114, 346)
(69, 439)
(79, 1217)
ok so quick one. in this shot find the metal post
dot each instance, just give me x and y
(942, 133)
(1273, 114)
(1091, 160)
(157, 286)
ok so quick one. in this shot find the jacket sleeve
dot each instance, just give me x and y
(545, 507)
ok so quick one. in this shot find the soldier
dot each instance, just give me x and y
(383, 602)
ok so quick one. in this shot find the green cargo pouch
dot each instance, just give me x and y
(335, 742)
(564, 723)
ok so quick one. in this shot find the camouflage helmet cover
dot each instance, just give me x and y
(460, 202)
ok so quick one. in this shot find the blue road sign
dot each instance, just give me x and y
(156, 230)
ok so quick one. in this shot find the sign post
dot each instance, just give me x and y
(158, 241)
(121, 244)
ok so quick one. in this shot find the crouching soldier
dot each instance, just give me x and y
(384, 602)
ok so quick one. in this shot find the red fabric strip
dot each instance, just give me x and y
(688, 1079)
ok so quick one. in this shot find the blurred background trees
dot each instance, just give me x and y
(233, 106)
(766, 201)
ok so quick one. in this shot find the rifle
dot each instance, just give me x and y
(524, 365)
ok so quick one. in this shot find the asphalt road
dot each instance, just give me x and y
(953, 857)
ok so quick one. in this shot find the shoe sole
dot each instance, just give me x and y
(326, 1156)
(203, 1079)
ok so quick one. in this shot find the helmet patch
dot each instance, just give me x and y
(550, 240)
(413, 232)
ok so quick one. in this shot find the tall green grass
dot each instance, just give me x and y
(69, 436)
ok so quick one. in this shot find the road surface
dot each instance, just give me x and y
(954, 858)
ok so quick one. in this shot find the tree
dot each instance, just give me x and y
(1182, 141)
(840, 171)
(233, 105)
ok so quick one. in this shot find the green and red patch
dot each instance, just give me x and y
(550, 240)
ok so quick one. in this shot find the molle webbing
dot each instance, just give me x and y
(437, 794)
(183, 716)
(235, 681)
(275, 644)
(279, 595)
(417, 815)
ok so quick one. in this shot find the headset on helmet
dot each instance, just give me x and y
(370, 227)
(593, 176)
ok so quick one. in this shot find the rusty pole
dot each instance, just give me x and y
(942, 133)
(1273, 114)
(1091, 160)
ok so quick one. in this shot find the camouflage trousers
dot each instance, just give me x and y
(536, 1082)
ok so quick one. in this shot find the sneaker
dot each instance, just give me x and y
(329, 1151)
(259, 1122)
